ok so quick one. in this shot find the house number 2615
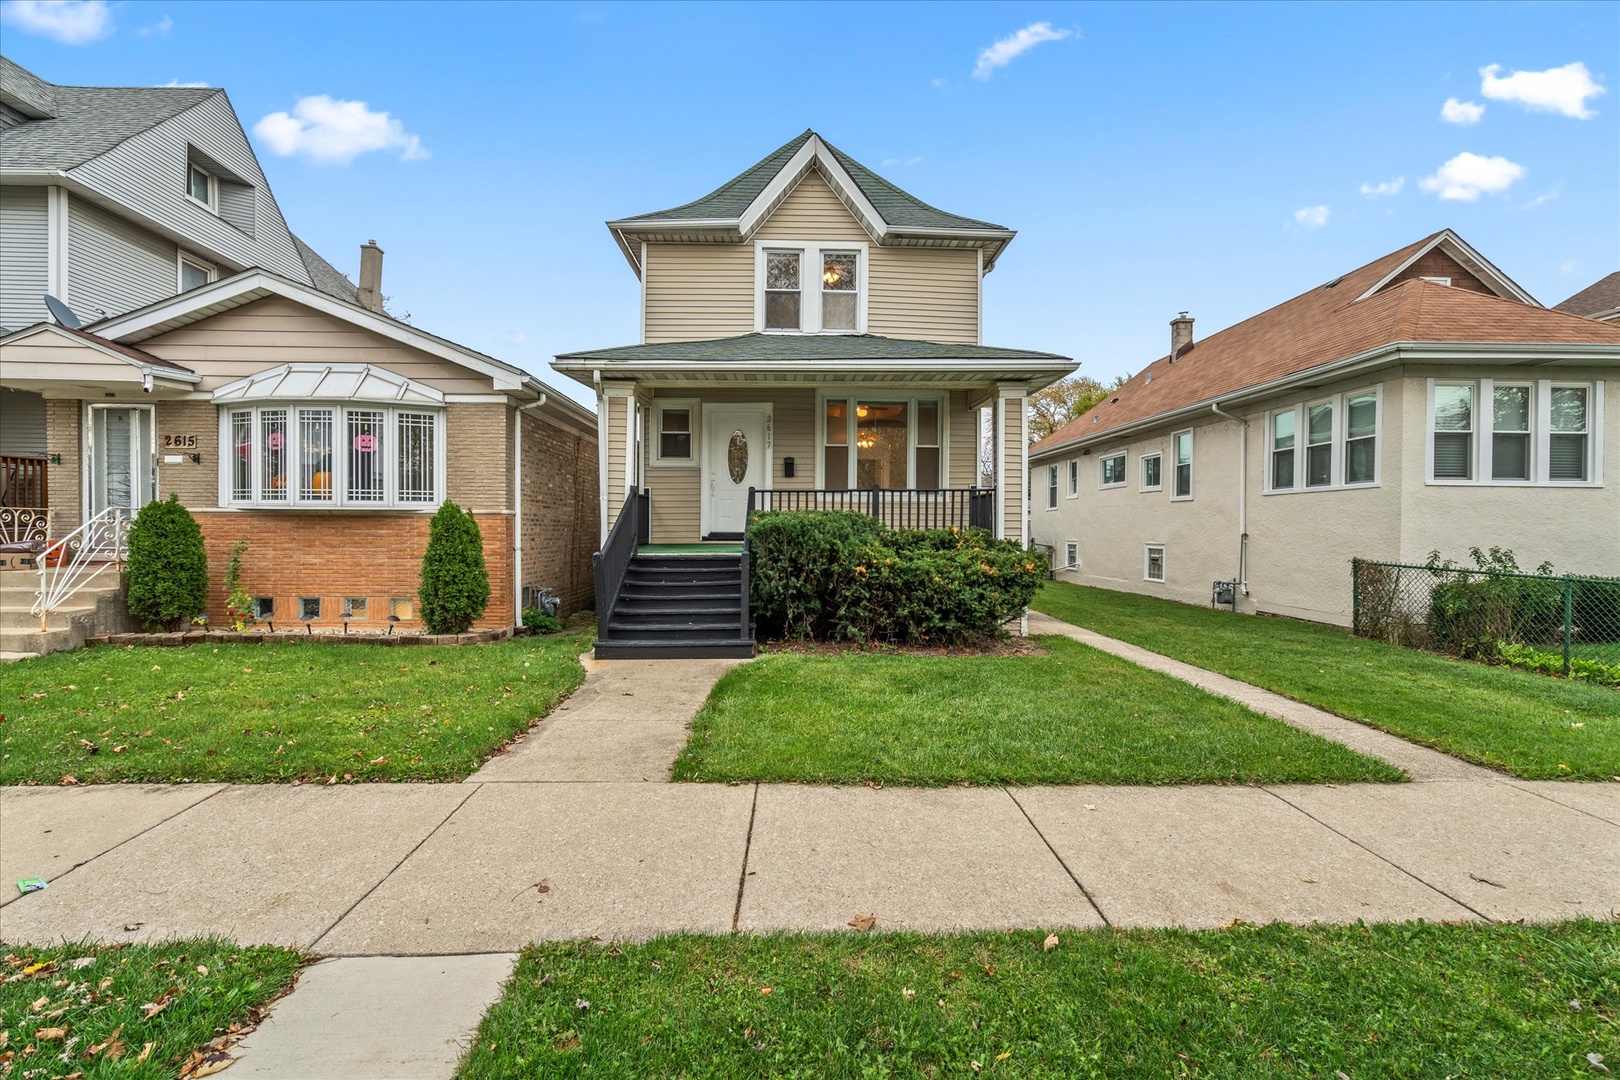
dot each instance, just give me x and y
(180, 442)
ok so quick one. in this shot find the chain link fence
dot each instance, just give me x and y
(1564, 625)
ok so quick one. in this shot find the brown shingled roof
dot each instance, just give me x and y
(138, 355)
(1601, 295)
(1324, 325)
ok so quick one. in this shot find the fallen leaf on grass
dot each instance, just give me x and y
(378, 761)
(764, 990)
(152, 1008)
(1004, 1055)
(1232, 924)
(50, 1034)
(40, 1003)
(1050, 943)
(863, 923)
(146, 1052)
(69, 781)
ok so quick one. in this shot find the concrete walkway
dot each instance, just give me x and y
(1419, 762)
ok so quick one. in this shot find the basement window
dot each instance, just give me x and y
(309, 607)
(1153, 562)
(400, 608)
(264, 607)
(354, 607)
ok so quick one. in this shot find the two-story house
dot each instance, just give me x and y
(810, 339)
(1421, 402)
(192, 345)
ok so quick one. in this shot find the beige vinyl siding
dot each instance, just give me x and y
(617, 411)
(697, 291)
(274, 331)
(963, 441)
(24, 256)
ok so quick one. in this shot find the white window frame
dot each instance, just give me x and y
(1192, 453)
(692, 408)
(1147, 564)
(1142, 460)
(1052, 487)
(1484, 391)
(340, 457)
(1272, 451)
(1071, 555)
(184, 259)
(855, 394)
(1124, 458)
(1339, 442)
(212, 205)
(810, 256)
(1072, 468)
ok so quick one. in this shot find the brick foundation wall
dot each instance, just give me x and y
(333, 555)
(559, 512)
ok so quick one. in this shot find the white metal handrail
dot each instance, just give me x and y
(69, 564)
(24, 525)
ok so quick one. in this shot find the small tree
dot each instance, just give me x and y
(167, 566)
(455, 582)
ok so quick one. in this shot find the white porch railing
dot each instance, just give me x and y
(24, 526)
(69, 564)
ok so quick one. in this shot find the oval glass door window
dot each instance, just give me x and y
(737, 456)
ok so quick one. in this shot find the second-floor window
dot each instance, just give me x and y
(808, 288)
(784, 297)
(200, 185)
(839, 290)
(194, 273)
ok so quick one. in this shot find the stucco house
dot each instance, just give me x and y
(198, 348)
(1421, 402)
(810, 338)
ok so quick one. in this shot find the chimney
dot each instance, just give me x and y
(371, 277)
(1180, 332)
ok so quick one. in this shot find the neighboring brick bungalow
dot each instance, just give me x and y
(323, 432)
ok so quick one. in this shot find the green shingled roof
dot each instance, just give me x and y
(757, 347)
(731, 199)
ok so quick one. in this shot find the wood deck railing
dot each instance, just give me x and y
(898, 508)
(23, 480)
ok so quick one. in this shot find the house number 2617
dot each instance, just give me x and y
(180, 442)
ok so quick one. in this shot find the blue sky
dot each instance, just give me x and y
(1154, 158)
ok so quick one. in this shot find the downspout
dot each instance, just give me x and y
(517, 506)
(1243, 496)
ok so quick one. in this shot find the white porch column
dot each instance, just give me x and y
(616, 432)
(1012, 464)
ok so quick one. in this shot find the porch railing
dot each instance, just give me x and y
(631, 529)
(898, 508)
(71, 563)
(23, 480)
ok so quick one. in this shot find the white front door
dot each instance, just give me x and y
(122, 461)
(736, 457)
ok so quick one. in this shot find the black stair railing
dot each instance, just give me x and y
(630, 530)
(898, 508)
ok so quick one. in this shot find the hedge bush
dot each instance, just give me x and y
(837, 576)
(455, 582)
(167, 568)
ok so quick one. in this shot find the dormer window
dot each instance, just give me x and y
(809, 289)
(200, 185)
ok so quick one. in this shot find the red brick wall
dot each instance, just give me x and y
(559, 512)
(337, 554)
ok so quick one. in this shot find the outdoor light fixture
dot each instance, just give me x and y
(392, 619)
(309, 626)
(345, 622)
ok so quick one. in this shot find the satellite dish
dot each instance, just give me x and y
(61, 313)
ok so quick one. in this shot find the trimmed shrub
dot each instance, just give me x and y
(455, 583)
(840, 576)
(167, 567)
(1597, 609)
(536, 621)
(1471, 614)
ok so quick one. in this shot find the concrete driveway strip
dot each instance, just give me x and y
(1506, 853)
(270, 865)
(1202, 856)
(521, 862)
(47, 831)
(1419, 762)
(918, 859)
(376, 1018)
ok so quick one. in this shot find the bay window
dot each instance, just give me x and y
(1325, 444)
(330, 455)
(890, 444)
(1500, 431)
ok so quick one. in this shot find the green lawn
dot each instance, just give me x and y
(1529, 725)
(257, 713)
(1071, 716)
(1405, 1000)
(138, 1012)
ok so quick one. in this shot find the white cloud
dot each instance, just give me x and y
(177, 82)
(1312, 217)
(1014, 45)
(1461, 112)
(1561, 90)
(1387, 187)
(328, 131)
(889, 162)
(1546, 196)
(160, 28)
(72, 22)
(1468, 176)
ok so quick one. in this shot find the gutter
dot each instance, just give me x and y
(1243, 496)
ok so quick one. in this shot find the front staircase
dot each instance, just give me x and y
(96, 608)
(678, 606)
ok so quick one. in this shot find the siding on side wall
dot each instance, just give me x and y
(24, 256)
(1012, 445)
(617, 409)
(115, 266)
(696, 291)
